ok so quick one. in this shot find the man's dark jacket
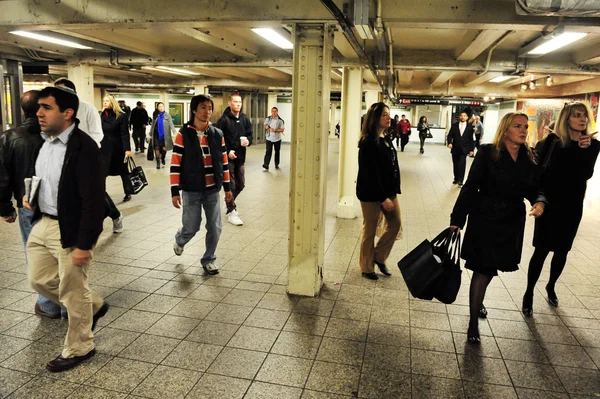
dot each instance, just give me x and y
(138, 118)
(233, 128)
(80, 193)
(19, 148)
(461, 144)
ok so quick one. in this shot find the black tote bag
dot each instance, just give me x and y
(422, 266)
(446, 286)
(136, 178)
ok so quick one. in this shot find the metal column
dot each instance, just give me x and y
(308, 177)
(351, 111)
(372, 97)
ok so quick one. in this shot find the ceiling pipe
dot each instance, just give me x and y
(346, 27)
(390, 70)
(496, 44)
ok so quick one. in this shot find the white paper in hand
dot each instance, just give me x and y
(27, 183)
(35, 184)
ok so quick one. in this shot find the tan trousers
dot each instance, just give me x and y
(52, 273)
(369, 252)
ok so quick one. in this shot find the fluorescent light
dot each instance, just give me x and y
(274, 37)
(175, 71)
(50, 39)
(502, 78)
(556, 42)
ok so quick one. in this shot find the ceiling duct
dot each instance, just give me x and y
(362, 14)
(561, 8)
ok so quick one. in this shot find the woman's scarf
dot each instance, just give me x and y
(160, 126)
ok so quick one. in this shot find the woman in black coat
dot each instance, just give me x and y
(423, 128)
(570, 155)
(502, 175)
(377, 187)
(115, 144)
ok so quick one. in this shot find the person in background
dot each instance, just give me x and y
(377, 188)
(423, 129)
(460, 142)
(138, 122)
(570, 154)
(478, 130)
(503, 174)
(116, 145)
(275, 126)
(402, 132)
(125, 108)
(392, 130)
(162, 131)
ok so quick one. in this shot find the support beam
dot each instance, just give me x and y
(588, 55)
(108, 38)
(480, 79)
(371, 97)
(473, 44)
(405, 78)
(308, 176)
(344, 47)
(83, 78)
(207, 37)
(443, 77)
(350, 123)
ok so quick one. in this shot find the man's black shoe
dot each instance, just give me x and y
(371, 276)
(126, 198)
(99, 314)
(62, 364)
(383, 268)
(460, 184)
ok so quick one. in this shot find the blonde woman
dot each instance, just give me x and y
(502, 175)
(570, 154)
(115, 144)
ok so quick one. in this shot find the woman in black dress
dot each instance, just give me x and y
(115, 144)
(377, 187)
(570, 155)
(423, 128)
(502, 175)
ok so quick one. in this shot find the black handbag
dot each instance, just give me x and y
(422, 266)
(136, 178)
(446, 286)
(429, 135)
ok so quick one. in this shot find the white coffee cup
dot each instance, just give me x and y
(243, 139)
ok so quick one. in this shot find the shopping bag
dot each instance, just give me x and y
(136, 178)
(424, 264)
(446, 286)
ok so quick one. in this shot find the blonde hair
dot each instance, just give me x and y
(115, 105)
(499, 139)
(561, 128)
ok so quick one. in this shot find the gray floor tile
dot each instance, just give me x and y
(213, 386)
(341, 351)
(352, 311)
(135, 320)
(525, 393)
(122, 375)
(209, 293)
(44, 387)
(298, 345)
(111, 341)
(145, 284)
(579, 381)
(429, 320)
(87, 392)
(173, 326)
(476, 390)
(125, 298)
(243, 297)
(158, 303)
(396, 316)
(253, 338)
(511, 329)
(389, 334)
(587, 337)
(278, 302)
(308, 394)
(167, 383)
(239, 363)
(550, 334)
(385, 384)
(314, 306)
(387, 357)
(193, 308)
(192, 356)
(426, 387)
(347, 329)
(33, 358)
(483, 370)
(11, 345)
(84, 370)
(487, 348)
(439, 364)
(266, 318)
(212, 332)
(34, 327)
(534, 376)
(306, 324)
(284, 370)
(435, 340)
(524, 351)
(568, 355)
(226, 313)
(261, 390)
(333, 378)
(149, 348)
(11, 380)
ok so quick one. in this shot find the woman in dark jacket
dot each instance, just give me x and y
(161, 133)
(377, 187)
(502, 174)
(570, 155)
(423, 128)
(115, 144)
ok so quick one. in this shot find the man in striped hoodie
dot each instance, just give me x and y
(199, 168)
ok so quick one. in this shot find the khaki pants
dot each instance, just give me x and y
(369, 252)
(52, 273)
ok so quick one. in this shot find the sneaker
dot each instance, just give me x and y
(118, 224)
(276, 166)
(266, 168)
(234, 219)
(210, 268)
(177, 249)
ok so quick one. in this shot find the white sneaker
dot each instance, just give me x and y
(211, 268)
(118, 224)
(177, 249)
(234, 219)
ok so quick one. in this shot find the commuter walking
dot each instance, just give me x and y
(460, 142)
(568, 156)
(138, 122)
(503, 174)
(274, 126)
(423, 129)
(161, 132)
(116, 145)
(402, 132)
(377, 188)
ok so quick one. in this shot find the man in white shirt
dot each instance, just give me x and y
(275, 127)
(460, 142)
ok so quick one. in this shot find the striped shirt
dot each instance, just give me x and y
(209, 176)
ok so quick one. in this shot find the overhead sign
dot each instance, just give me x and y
(409, 101)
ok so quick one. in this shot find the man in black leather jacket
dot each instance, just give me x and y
(18, 151)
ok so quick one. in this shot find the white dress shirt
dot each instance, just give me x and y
(462, 126)
(89, 121)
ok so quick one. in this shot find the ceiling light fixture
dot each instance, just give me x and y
(50, 39)
(175, 71)
(549, 81)
(274, 37)
(503, 78)
(523, 86)
(552, 42)
(532, 85)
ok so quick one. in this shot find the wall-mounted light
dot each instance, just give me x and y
(486, 99)
(549, 81)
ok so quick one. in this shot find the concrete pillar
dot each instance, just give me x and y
(371, 97)
(351, 113)
(164, 98)
(271, 102)
(200, 89)
(308, 177)
(332, 120)
(82, 75)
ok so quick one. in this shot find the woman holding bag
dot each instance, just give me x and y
(502, 175)
(377, 187)
(568, 157)
(423, 129)
(161, 133)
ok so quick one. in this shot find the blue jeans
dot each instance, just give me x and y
(25, 224)
(193, 202)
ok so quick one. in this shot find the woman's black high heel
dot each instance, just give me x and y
(527, 308)
(483, 313)
(552, 298)
(473, 334)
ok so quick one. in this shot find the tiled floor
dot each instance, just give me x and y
(173, 332)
